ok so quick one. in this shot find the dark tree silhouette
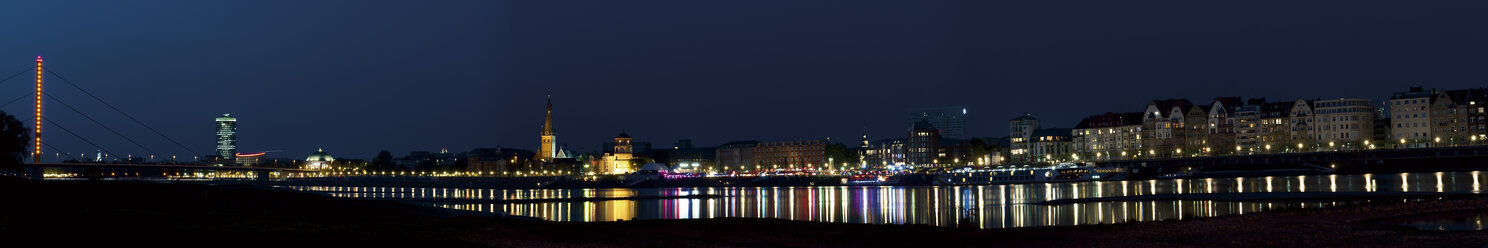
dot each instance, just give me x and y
(426, 165)
(13, 140)
(840, 154)
(383, 162)
(460, 165)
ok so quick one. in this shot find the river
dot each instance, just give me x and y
(987, 206)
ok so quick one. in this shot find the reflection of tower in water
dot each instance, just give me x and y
(618, 210)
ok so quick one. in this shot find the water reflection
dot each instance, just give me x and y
(989, 206)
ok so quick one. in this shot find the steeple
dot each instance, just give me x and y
(548, 122)
(549, 149)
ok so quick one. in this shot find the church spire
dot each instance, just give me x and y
(548, 150)
(548, 122)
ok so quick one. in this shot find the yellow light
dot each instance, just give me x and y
(37, 148)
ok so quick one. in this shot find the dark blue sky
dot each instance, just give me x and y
(355, 77)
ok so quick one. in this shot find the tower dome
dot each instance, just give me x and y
(320, 156)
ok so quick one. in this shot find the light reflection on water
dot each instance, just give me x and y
(989, 206)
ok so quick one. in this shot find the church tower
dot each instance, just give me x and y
(549, 137)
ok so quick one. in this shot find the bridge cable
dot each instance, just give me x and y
(49, 145)
(95, 145)
(16, 100)
(17, 74)
(116, 109)
(90, 118)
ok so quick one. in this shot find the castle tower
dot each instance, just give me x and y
(622, 155)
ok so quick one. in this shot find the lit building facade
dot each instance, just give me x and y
(884, 154)
(1457, 117)
(1262, 127)
(1051, 145)
(618, 161)
(1195, 139)
(1109, 136)
(1020, 132)
(1344, 124)
(1302, 127)
(791, 154)
(1219, 134)
(1163, 132)
(736, 156)
(227, 137)
(951, 120)
(1410, 120)
(923, 139)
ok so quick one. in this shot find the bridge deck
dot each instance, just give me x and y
(161, 166)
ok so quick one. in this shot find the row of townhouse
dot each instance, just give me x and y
(1227, 126)
(1174, 128)
(1422, 118)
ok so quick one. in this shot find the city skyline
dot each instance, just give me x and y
(469, 84)
(915, 114)
(760, 123)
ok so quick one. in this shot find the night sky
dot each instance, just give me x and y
(356, 77)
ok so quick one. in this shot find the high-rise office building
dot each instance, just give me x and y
(950, 120)
(227, 137)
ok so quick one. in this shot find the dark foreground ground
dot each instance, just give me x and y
(138, 214)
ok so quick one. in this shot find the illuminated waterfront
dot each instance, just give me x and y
(990, 206)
